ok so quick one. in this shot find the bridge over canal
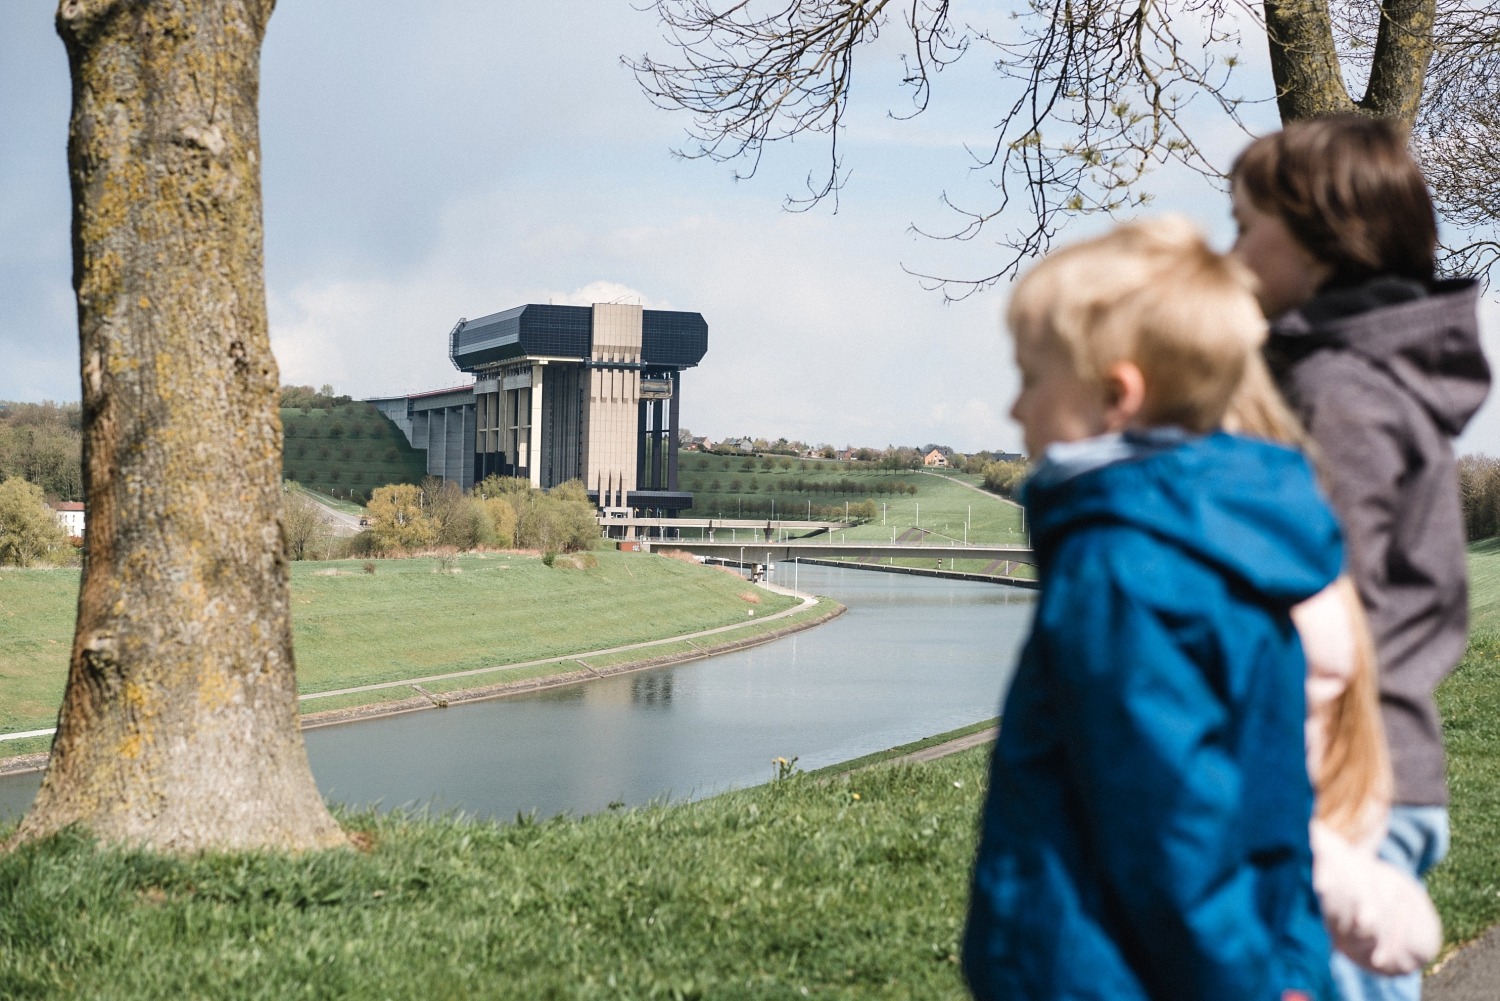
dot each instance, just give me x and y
(761, 551)
(761, 541)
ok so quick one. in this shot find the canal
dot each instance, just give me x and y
(912, 657)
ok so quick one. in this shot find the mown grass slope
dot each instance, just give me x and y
(914, 506)
(851, 889)
(406, 619)
(347, 449)
(1466, 887)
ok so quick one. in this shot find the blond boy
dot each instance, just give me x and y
(1145, 833)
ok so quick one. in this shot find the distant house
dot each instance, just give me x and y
(935, 458)
(70, 517)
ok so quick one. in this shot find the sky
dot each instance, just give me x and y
(426, 160)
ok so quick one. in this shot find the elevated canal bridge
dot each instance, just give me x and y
(761, 551)
(749, 541)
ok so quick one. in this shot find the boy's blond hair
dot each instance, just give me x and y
(1155, 294)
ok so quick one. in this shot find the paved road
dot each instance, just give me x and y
(341, 523)
(1473, 974)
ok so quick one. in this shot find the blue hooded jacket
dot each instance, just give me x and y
(1145, 833)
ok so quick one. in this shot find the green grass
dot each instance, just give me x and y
(1484, 586)
(37, 611)
(349, 448)
(342, 503)
(847, 889)
(903, 749)
(944, 508)
(406, 620)
(1466, 886)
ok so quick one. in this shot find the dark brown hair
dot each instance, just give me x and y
(1348, 189)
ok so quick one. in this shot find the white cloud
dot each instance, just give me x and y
(980, 419)
(606, 291)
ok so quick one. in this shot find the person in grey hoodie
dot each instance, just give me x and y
(1382, 363)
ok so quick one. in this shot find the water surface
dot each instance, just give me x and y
(912, 657)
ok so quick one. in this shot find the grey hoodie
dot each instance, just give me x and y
(1384, 375)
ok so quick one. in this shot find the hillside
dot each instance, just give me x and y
(347, 449)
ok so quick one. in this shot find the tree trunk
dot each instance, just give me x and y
(179, 727)
(1403, 48)
(1304, 60)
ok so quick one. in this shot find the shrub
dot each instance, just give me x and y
(1004, 477)
(397, 521)
(29, 531)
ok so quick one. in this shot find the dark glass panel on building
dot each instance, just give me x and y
(670, 337)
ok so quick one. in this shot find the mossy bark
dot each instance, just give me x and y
(179, 727)
(1309, 78)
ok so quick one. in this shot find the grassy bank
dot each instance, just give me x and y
(845, 888)
(1466, 887)
(407, 619)
(943, 504)
(850, 888)
(347, 449)
(840, 890)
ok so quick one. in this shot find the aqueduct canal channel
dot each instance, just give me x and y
(912, 657)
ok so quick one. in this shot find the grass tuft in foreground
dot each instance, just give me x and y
(1466, 886)
(848, 889)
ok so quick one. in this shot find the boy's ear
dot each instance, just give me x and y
(1124, 395)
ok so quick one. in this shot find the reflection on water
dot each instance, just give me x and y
(651, 688)
(913, 656)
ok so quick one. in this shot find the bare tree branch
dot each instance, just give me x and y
(750, 78)
(1102, 90)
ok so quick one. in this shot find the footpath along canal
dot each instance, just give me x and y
(912, 657)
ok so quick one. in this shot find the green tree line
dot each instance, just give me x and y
(503, 511)
(1003, 477)
(43, 444)
(1479, 490)
(308, 398)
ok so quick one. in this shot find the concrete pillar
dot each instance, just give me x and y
(536, 426)
(673, 425)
